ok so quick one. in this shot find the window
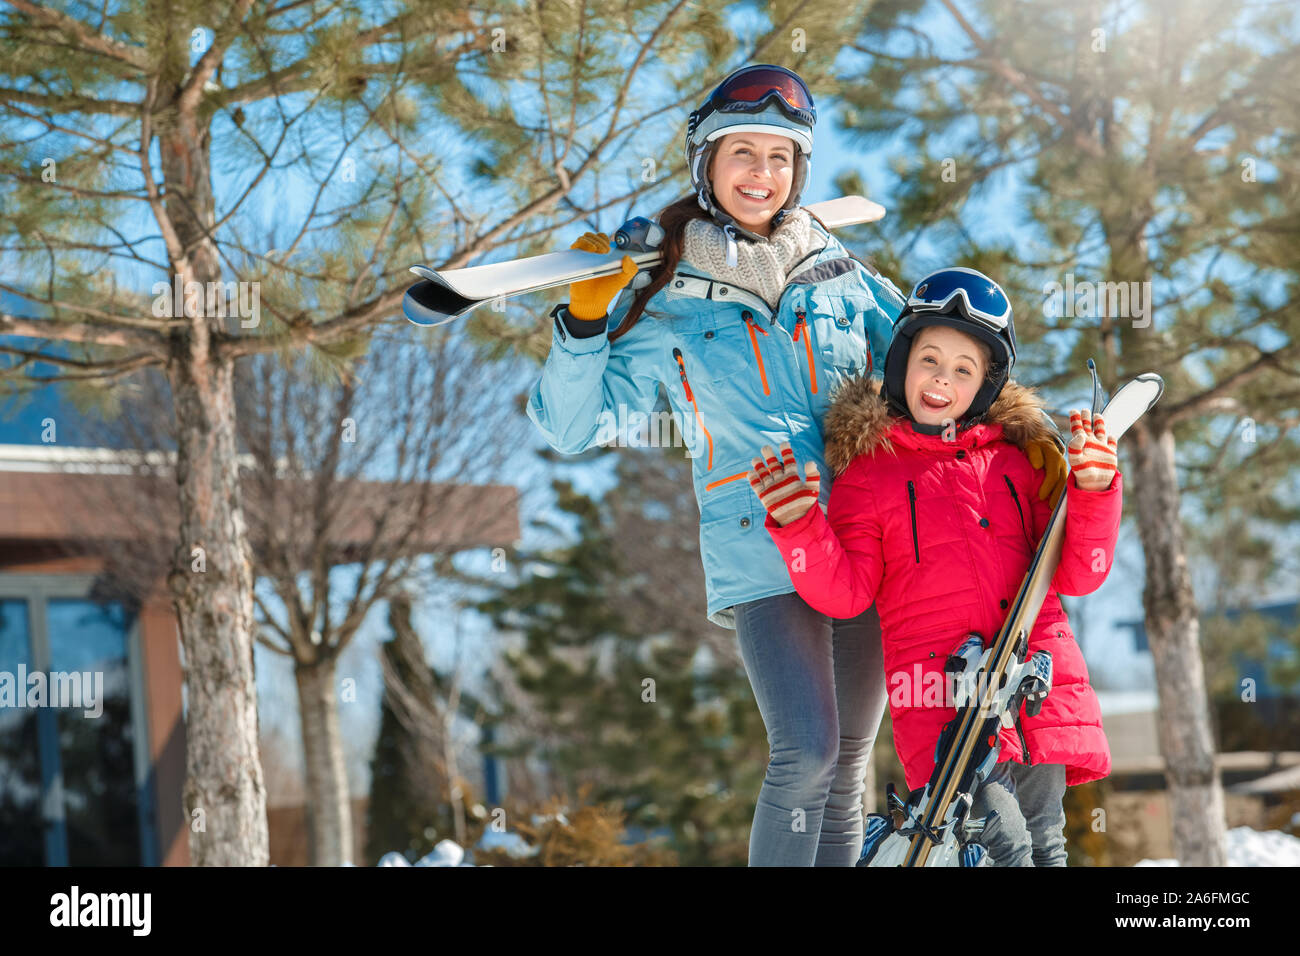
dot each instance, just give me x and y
(74, 774)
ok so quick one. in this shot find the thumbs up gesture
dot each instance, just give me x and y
(776, 481)
(1093, 459)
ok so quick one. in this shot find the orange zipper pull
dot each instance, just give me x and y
(758, 356)
(807, 344)
(681, 368)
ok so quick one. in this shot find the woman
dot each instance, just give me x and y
(753, 316)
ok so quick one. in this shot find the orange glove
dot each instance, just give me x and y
(1044, 455)
(1092, 455)
(590, 298)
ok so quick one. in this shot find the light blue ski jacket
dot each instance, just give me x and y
(737, 378)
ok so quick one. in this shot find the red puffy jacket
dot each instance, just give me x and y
(939, 534)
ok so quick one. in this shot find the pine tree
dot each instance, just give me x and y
(400, 815)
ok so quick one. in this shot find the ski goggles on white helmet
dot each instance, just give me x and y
(752, 88)
(981, 299)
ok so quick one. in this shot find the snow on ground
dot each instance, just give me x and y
(1247, 847)
(450, 853)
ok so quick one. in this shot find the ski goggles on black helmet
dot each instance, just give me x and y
(750, 89)
(980, 299)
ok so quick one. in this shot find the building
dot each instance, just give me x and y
(1258, 761)
(101, 783)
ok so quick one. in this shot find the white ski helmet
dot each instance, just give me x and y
(759, 98)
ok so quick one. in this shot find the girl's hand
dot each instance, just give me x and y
(785, 495)
(590, 298)
(1093, 460)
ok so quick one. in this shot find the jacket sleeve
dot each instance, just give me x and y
(836, 559)
(1092, 520)
(879, 320)
(586, 380)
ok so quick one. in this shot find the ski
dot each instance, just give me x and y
(990, 685)
(440, 297)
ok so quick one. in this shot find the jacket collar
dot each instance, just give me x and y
(695, 282)
(859, 422)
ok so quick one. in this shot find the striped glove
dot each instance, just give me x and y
(1093, 460)
(785, 495)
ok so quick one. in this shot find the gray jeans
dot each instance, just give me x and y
(820, 687)
(1030, 828)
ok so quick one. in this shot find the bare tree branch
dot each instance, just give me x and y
(84, 332)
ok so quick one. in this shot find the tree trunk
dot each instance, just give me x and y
(329, 813)
(212, 588)
(225, 798)
(1182, 718)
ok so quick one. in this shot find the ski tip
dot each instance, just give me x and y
(422, 305)
(1151, 380)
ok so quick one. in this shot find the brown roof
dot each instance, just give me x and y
(84, 511)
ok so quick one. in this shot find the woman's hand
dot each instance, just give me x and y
(590, 298)
(1093, 459)
(785, 495)
(1047, 458)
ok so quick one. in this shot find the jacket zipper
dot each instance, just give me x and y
(1024, 747)
(690, 397)
(749, 321)
(802, 327)
(911, 499)
(1016, 498)
(722, 481)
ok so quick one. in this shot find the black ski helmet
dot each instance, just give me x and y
(961, 299)
(759, 97)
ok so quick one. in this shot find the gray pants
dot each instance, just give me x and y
(1030, 828)
(820, 687)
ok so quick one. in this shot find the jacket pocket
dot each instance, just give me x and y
(730, 529)
(841, 333)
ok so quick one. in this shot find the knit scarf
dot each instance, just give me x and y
(762, 267)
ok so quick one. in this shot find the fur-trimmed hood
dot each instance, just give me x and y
(859, 421)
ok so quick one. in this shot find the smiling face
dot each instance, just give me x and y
(751, 175)
(945, 370)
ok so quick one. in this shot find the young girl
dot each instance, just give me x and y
(754, 314)
(935, 516)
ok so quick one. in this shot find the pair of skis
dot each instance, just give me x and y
(990, 686)
(440, 297)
